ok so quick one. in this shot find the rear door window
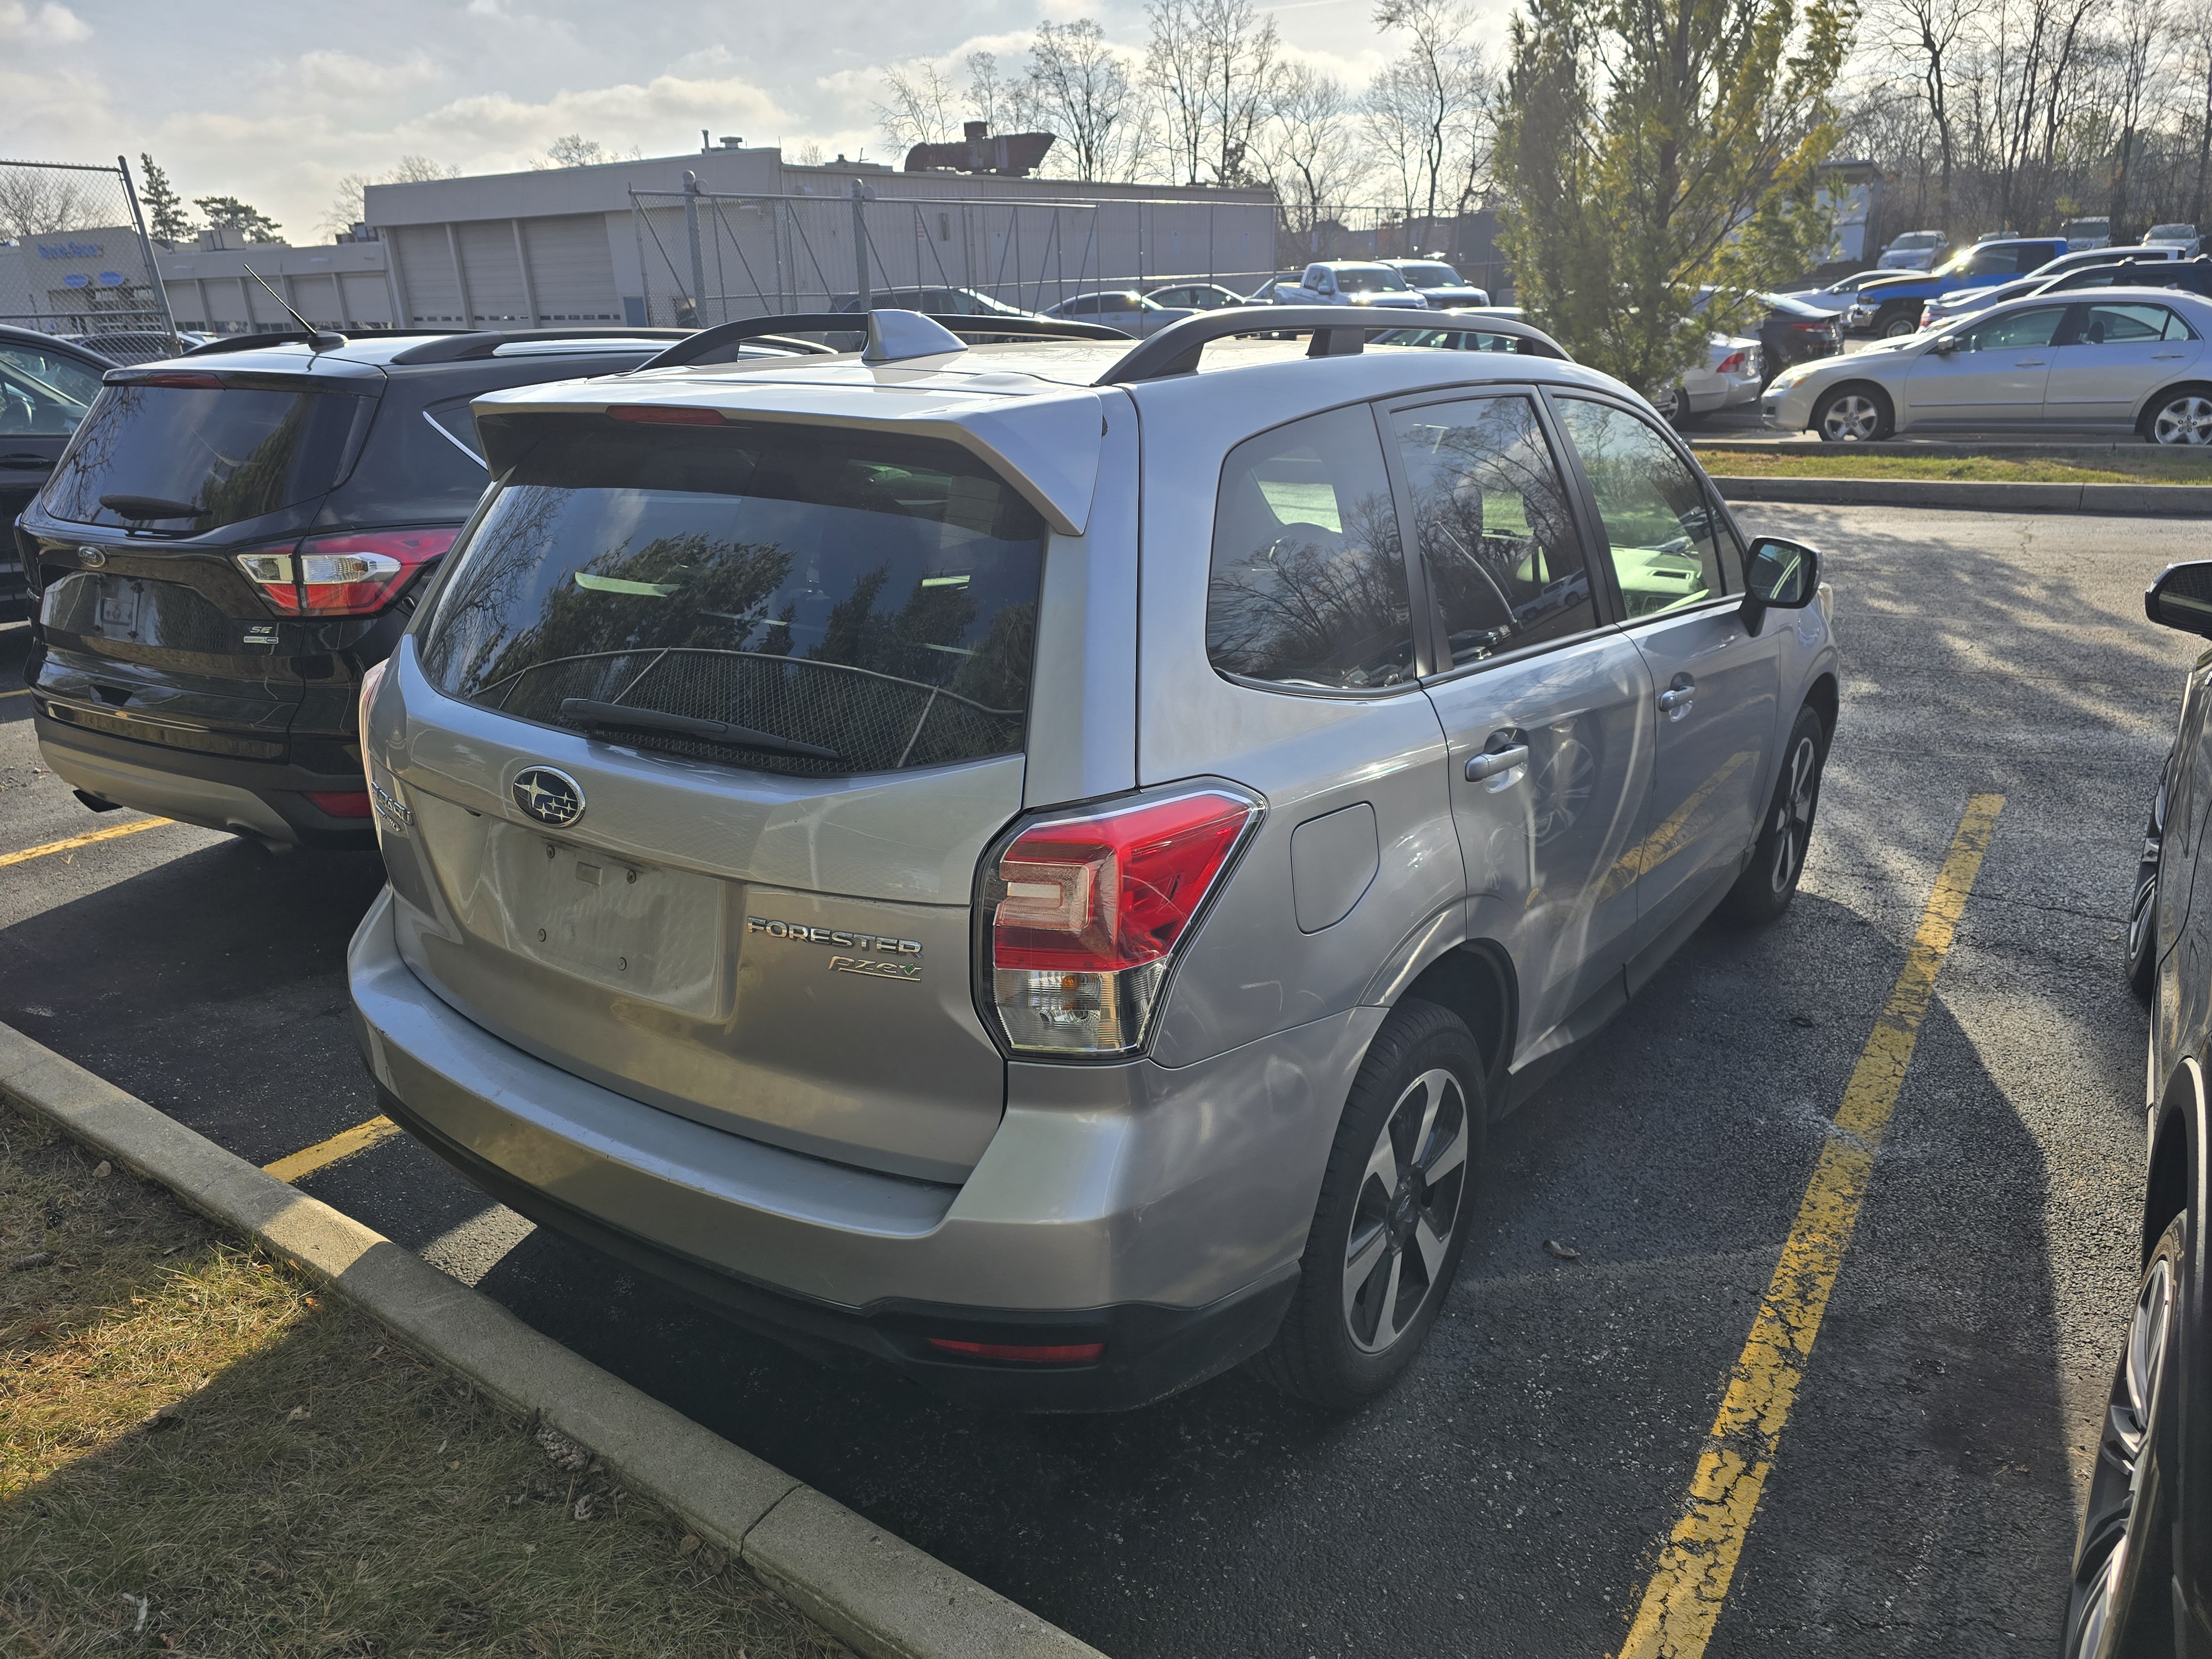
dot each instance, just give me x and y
(783, 598)
(194, 459)
(1308, 589)
(43, 394)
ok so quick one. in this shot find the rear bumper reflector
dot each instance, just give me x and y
(1050, 1353)
(340, 803)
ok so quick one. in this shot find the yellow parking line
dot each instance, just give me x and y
(25, 692)
(1684, 1598)
(85, 840)
(324, 1153)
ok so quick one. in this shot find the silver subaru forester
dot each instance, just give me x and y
(1037, 862)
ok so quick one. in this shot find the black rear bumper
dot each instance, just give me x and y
(1150, 1351)
(281, 786)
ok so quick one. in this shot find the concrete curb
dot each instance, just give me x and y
(885, 1598)
(2119, 500)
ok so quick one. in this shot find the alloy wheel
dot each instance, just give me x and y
(1793, 815)
(1852, 418)
(2183, 420)
(2126, 1436)
(1408, 1204)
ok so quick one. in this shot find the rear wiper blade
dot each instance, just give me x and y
(150, 507)
(618, 717)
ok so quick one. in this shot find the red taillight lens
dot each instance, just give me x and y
(1732, 364)
(196, 382)
(1085, 914)
(353, 576)
(341, 803)
(665, 414)
(1047, 1353)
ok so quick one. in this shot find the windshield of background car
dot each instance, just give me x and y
(1369, 279)
(873, 598)
(214, 456)
(42, 393)
(1433, 275)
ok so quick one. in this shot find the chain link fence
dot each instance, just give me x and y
(75, 259)
(711, 259)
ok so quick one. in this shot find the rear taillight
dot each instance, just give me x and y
(195, 382)
(1733, 363)
(1029, 1353)
(665, 413)
(355, 575)
(1084, 916)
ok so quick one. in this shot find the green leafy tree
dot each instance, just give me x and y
(228, 213)
(166, 218)
(1650, 147)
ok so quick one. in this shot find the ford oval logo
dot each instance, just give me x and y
(549, 795)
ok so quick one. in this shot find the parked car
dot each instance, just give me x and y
(1730, 377)
(1964, 301)
(2183, 237)
(1837, 296)
(2127, 359)
(1188, 296)
(1917, 250)
(673, 808)
(1273, 290)
(132, 346)
(231, 537)
(1789, 330)
(46, 385)
(936, 301)
(2087, 232)
(1352, 283)
(1123, 308)
(1461, 330)
(2143, 1560)
(1436, 282)
(1892, 308)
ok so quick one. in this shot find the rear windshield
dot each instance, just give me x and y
(832, 602)
(191, 459)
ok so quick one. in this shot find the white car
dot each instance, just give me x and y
(1729, 378)
(2182, 238)
(1123, 308)
(1914, 250)
(1352, 283)
(2116, 358)
(1839, 297)
(2087, 232)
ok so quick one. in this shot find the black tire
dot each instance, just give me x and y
(1855, 412)
(2122, 1604)
(2180, 414)
(2141, 948)
(1763, 891)
(1895, 324)
(1332, 1349)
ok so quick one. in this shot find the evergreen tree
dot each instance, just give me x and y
(228, 213)
(166, 218)
(1650, 147)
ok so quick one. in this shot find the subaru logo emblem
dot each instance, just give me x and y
(93, 557)
(548, 795)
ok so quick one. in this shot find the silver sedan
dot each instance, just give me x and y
(2128, 359)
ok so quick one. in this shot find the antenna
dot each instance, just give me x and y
(319, 339)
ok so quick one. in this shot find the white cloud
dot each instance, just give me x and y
(22, 25)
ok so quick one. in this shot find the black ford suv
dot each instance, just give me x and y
(234, 535)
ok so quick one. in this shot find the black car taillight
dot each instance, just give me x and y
(351, 576)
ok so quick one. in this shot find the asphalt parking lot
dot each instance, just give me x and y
(1511, 1497)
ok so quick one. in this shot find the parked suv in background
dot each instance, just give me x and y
(1352, 282)
(231, 539)
(1917, 250)
(1212, 797)
(1437, 283)
(45, 388)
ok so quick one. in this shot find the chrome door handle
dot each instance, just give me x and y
(1676, 696)
(2167, 356)
(1490, 765)
(2031, 363)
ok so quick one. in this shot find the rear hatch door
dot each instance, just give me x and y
(704, 735)
(152, 628)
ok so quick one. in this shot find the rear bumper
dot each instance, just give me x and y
(1160, 1212)
(258, 797)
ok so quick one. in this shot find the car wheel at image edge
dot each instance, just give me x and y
(1853, 414)
(2123, 1601)
(1763, 891)
(1392, 1216)
(2182, 415)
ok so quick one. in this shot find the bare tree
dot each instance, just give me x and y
(37, 202)
(1927, 35)
(349, 207)
(1080, 91)
(922, 108)
(2144, 44)
(1309, 152)
(1211, 68)
(1421, 101)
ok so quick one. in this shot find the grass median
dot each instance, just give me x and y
(201, 1452)
(2154, 466)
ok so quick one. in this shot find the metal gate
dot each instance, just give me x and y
(75, 259)
(710, 259)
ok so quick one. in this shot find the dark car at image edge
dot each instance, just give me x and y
(233, 537)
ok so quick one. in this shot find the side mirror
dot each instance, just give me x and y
(2182, 597)
(1945, 344)
(1783, 575)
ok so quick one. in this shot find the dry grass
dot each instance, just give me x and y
(1843, 461)
(201, 1454)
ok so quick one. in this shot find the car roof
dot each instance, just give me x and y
(39, 340)
(382, 352)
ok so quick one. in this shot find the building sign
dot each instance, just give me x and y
(69, 250)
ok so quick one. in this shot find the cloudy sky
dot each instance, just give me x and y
(273, 103)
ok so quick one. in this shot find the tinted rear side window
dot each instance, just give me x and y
(196, 458)
(874, 598)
